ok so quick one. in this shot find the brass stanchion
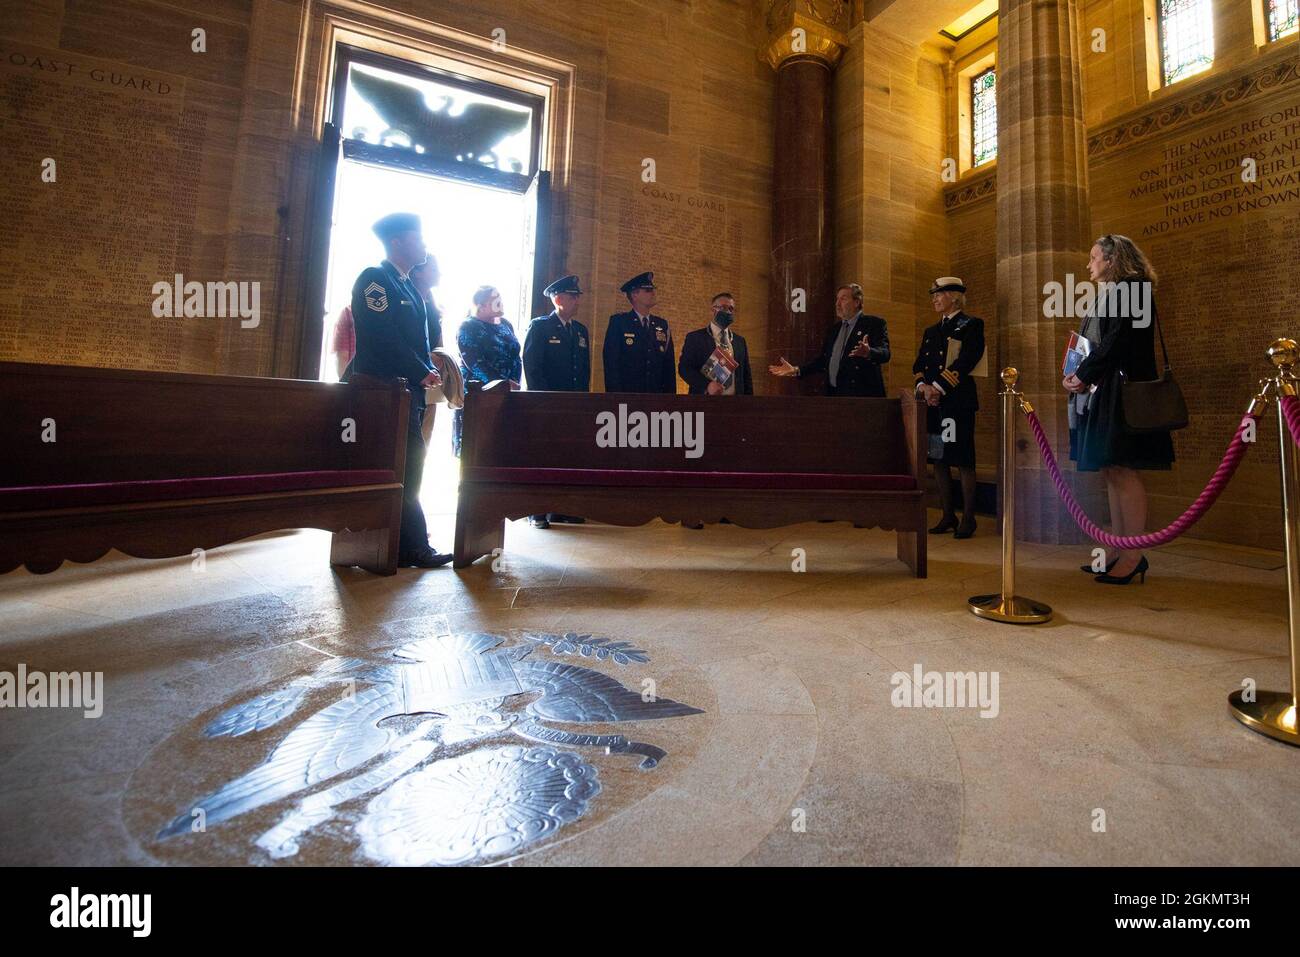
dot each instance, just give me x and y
(1007, 606)
(1274, 712)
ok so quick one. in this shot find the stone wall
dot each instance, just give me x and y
(890, 233)
(173, 161)
(1170, 175)
(1164, 166)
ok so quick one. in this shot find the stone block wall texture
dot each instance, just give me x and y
(170, 161)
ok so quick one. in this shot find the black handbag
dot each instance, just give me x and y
(1157, 405)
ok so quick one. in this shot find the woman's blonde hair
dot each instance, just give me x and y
(1125, 260)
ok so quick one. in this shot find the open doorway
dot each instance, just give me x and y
(463, 155)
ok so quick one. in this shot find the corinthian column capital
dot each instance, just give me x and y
(806, 28)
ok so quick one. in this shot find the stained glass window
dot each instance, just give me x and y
(1283, 18)
(1186, 38)
(984, 117)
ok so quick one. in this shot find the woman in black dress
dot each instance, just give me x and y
(1126, 326)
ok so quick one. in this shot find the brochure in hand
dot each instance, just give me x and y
(720, 367)
(1076, 350)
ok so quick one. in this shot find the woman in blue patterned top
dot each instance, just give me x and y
(489, 349)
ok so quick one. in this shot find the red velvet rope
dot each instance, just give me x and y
(1291, 412)
(1218, 482)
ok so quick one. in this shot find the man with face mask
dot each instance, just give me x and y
(699, 346)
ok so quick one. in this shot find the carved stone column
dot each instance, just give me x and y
(1042, 228)
(805, 40)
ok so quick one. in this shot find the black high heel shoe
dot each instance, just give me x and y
(946, 524)
(1141, 569)
(1092, 571)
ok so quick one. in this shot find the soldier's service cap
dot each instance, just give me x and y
(644, 281)
(395, 223)
(947, 284)
(564, 284)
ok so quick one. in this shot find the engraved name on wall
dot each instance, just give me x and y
(79, 255)
(693, 247)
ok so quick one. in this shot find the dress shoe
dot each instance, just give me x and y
(696, 526)
(424, 559)
(1140, 569)
(946, 524)
(539, 521)
(566, 519)
(966, 529)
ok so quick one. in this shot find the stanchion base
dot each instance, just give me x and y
(1014, 611)
(1271, 713)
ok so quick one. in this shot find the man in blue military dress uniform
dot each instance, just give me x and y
(638, 351)
(557, 349)
(557, 356)
(392, 343)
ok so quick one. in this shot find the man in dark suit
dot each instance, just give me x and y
(699, 345)
(392, 343)
(949, 392)
(557, 357)
(856, 347)
(638, 351)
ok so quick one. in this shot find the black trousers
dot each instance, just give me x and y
(414, 536)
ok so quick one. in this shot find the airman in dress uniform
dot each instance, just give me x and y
(638, 351)
(557, 357)
(557, 349)
(949, 392)
(392, 343)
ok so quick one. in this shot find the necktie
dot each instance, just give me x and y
(837, 353)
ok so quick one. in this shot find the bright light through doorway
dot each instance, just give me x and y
(475, 232)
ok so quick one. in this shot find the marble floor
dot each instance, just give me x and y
(1111, 745)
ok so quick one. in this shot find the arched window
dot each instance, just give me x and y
(984, 117)
(1283, 18)
(1186, 38)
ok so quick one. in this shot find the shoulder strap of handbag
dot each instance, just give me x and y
(1155, 317)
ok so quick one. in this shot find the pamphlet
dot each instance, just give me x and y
(1076, 350)
(720, 367)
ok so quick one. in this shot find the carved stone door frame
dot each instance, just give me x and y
(328, 25)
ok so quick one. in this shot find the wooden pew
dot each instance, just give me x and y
(159, 464)
(765, 461)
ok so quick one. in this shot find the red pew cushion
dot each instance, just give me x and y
(656, 478)
(37, 497)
